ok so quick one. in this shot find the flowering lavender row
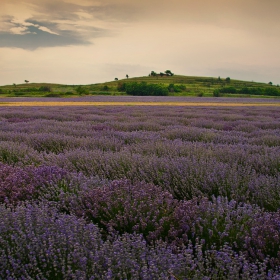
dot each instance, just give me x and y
(127, 98)
(39, 243)
(197, 187)
(120, 207)
(187, 151)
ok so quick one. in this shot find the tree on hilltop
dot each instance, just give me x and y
(169, 73)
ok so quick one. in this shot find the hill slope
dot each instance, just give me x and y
(177, 85)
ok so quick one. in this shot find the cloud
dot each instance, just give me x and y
(20, 30)
(86, 20)
(14, 26)
(32, 34)
(45, 29)
(48, 24)
(189, 37)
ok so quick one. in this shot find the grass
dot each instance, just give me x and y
(194, 86)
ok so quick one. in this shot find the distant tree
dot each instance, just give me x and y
(161, 74)
(270, 83)
(153, 73)
(116, 79)
(169, 73)
(228, 79)
(26, 81)
(14, 85)
(126, 76)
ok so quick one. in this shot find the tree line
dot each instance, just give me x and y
(143, 89)
(270, 91)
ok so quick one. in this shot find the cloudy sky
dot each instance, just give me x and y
(91, 41)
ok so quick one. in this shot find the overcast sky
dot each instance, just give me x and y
(91, 41)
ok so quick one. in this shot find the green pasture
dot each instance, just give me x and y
(178, 85)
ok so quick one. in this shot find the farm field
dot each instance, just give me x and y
(140, 192)
(137, 101)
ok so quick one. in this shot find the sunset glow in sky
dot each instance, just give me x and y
(91, 41)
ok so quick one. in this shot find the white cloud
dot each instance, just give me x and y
(21, 27)
(45, 29)
(20, 30)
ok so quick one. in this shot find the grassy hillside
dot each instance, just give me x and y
(177, 85)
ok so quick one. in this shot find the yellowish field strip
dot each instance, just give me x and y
(36, 103)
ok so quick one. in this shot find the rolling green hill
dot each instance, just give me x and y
(177, 85)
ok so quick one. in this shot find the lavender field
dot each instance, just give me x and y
(134, 192)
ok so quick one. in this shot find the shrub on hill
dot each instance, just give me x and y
(176, 88)
(145, 89)
(228, 90)
(106, 88)
(254, 91)
(81, 90)
(121, 86)
(45, 88)
(53, 95)
(270, 91)
(217, 93)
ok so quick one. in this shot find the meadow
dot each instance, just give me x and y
(140, 192)
(176, 85)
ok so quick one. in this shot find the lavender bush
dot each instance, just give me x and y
(20, 184)
(127, 208)
(140, 193)
(39, 243)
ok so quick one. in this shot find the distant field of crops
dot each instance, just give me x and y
(140, 192)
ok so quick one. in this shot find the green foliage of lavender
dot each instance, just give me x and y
(134, 193)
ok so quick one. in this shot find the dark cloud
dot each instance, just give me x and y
(33, 34)
(75, 22)
(36, 38)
